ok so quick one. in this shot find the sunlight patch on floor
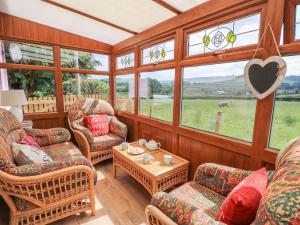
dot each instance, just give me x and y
(100, 176)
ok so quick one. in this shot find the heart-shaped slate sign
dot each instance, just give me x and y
(263, 77)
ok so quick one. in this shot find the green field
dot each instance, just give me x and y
(237, 118)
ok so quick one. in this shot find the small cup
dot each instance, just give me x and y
(125, 146)
(141, 142)
(168, 159)
(147, 158)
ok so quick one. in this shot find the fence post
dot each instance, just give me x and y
(218, 122)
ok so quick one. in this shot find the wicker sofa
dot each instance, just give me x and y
(198, 201)
(44, 192)
(98, 148)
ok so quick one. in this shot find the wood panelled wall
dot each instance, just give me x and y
(15, 28)
(198, 146)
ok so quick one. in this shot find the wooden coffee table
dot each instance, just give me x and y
(156, 176)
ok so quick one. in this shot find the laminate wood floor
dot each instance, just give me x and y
(120, 201)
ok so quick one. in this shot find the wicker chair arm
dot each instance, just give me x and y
(49, 188)
(50, 136)
(82, 143)
(156, 217)
(117, 127)
(219, 178)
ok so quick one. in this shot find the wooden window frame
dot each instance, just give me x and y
(289, 21)
(77, 70)
(115, 92)
(159, 68)
(218, 21)
(124, 70)
(160, 40)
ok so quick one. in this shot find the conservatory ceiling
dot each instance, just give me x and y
(109, 21)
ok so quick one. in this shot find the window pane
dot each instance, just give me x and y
(286, 116)
(158, 53)
(156, 94)
(25, 53)
(297, 28)
(216, 99)
(84, 60)
(125, 92)
(125, 61)
(39, 87)
(237, 33)
(77, 86)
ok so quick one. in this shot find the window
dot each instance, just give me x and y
(286, 117)
(297, 26)
(237, 33)
(39, 87)
(84, 60)
(156, 91)
(216, 99)
(77, 86)
(125, 61)
(125, 92)
(25, 53)
(158, 53)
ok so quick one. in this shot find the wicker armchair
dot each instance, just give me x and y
(98, 148)
(44, 192)
(198, 201)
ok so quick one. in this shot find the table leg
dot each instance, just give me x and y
(114, 170)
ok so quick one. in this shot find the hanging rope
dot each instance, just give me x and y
(262, 37)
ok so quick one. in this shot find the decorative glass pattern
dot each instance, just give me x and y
(286, 116)
(297, 23)
(26, 53)
(84, 60)
(125, 61)
(158, 53)
(237, 33)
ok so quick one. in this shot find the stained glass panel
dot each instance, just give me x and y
(237, 33)
(158, 53)
(125, 61)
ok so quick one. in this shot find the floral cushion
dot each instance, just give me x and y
(62, 151)
(8, 122)
(105, 142)
(85, 131)
(89, 107)
(49, 136)
(117, 127)
(219, 178)
(191, 200)
(6, 161)
(280, 202)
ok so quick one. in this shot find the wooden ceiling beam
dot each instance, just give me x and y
(167, 6)
(89, 16)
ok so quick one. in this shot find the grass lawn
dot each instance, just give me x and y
(237, 118)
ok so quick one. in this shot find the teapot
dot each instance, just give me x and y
(153, 145)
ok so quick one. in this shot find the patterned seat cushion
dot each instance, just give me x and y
(200, 197)
(62, 151)
(190, 204)
(105, 142)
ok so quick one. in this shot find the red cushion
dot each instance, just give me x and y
(28, 140)
(97, 124)
(240, 206)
